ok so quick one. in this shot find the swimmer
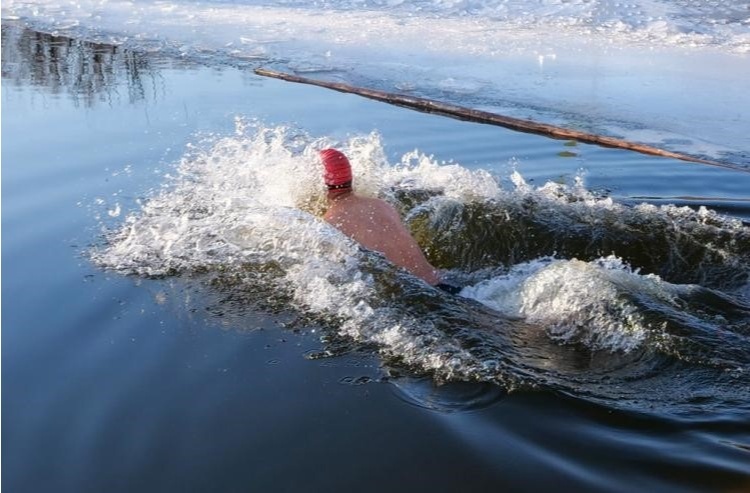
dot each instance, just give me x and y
(373, 223)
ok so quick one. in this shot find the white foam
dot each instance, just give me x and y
(418, 170)
(224, 205)
(254, 197)
(575, 301)
(231, 205)
(251, 201)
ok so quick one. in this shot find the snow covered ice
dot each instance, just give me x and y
(666, 72)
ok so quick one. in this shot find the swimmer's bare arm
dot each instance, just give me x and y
(376, 225)
(408, 254)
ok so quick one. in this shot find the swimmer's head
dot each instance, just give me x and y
(338, 171)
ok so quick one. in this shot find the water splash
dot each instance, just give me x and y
(680, 244)
(542, 306)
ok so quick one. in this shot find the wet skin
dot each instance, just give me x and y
(376, 225)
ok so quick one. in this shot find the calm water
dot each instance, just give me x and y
(172, 323)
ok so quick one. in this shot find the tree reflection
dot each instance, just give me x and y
(87, 72)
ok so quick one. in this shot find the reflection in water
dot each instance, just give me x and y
(89, 73)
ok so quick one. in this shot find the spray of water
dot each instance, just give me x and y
(245, 209)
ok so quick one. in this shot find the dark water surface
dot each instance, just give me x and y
(178, 383)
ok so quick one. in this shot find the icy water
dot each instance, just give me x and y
(177, 318)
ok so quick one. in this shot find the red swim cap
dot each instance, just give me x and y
(338, 174)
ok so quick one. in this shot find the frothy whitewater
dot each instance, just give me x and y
(564, 289)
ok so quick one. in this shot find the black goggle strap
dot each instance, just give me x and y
(339, 187)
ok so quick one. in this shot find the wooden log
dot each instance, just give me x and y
(462, 113)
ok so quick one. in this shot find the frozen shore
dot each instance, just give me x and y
(661, 73)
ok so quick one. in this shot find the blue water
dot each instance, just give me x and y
(192, 380)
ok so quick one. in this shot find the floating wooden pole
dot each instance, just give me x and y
(468, 114)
